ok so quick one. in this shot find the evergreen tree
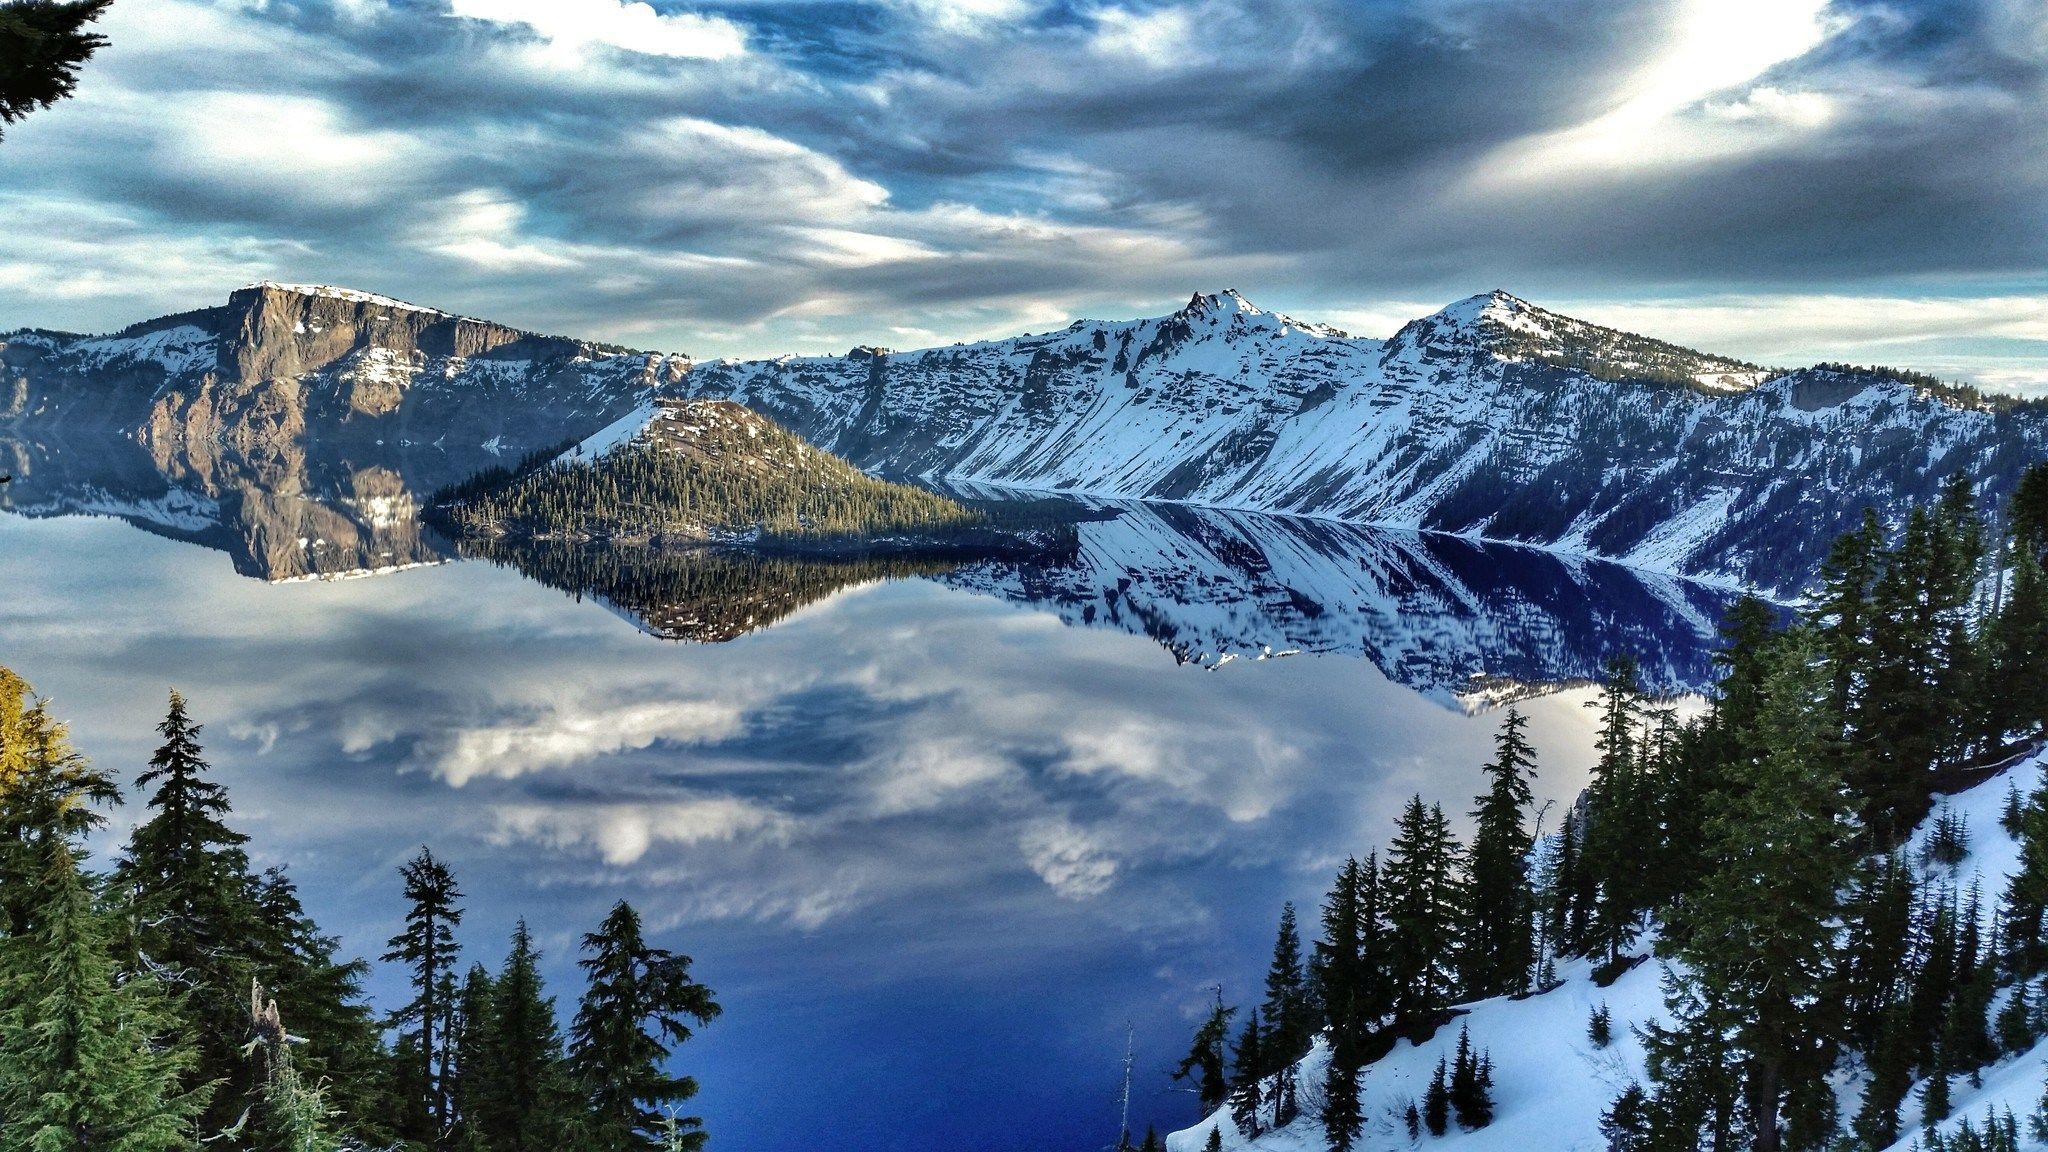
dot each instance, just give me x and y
(1600, 1027)
(1757, 936)
(640, 1004)
(1247, 1074)
(1891, 1075)
(43, 44)
(1290, 1023)
(1500, 953)
(1620, 832)
(427, 949)
(528, 1098)
(473, 1040)
(186, 876)
(1626, 1123)
(1215, 1141)
(87, 1058)
(1425, 909)
(1342, 1114)
(1436, 1102)
(1205, 1062)
(49, 797)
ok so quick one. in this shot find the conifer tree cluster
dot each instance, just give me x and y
(145, 1008)
(1758, 849)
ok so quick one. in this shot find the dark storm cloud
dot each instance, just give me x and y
(951, 167)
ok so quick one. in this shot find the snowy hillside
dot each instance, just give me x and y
(1467, 625)
(1493, 418)
(1551, 1083)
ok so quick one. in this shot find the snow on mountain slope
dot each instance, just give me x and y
(1492, 419)
(1551, 1083)
(1461, 623)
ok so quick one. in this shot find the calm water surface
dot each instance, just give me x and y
(936, 842)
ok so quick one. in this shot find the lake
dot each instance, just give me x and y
(941, 838)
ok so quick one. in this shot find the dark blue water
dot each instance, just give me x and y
(937, 846)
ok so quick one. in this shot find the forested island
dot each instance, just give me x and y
(694, 473)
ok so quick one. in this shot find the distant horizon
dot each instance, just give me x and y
(1787, 181)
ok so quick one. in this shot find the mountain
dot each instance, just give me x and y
(283, 375)
(1492, 419)
(1468, 625)
(293, 427)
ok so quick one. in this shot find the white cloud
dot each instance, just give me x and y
(622, 833)
(567, 734)
(570, 26)
(1070, 860)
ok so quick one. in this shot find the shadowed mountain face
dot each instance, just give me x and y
(1464, 623)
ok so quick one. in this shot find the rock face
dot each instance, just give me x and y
(282, 375)
(295, 428)
(1492, 419)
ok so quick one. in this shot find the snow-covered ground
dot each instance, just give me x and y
(1551, 1083)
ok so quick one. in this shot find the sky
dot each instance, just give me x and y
(1783, 180)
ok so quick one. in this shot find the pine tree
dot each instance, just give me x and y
(1500, 935)
(1342, 1115)
(1620, 832)
(473, 1040)
(1425, 909)
(428, 951)
(1600, 1027)
(1626, 1123)
(1205, 1061)
(186, 876)
(1290, 1024)
(49, 796)
(1247, 1074)
(640, 1004)
(1436, 1102)
(43, 44)
(1757, 936)
(1891, 1077)
(528, 1097)
(87, 1058)
(1215, 1141)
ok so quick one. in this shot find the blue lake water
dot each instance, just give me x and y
(937, 842)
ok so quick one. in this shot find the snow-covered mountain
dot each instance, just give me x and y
(1466, 624)
(1493, 418)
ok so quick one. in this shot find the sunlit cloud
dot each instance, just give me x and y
(570, 26)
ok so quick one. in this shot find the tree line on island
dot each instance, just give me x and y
(1759, 849)
(701, 470)
(180, 999)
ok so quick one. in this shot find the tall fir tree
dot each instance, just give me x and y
(89, 1060)
(1289, 1015)
(640, 1004)
(1247, 1079)
(197, 924)
(1757, 936)
(1499, 949)
(1426, 896)
(1620, 833)
(49, 796)
(426, 947)
(528, 1100)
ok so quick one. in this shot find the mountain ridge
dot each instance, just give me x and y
(1492, 418)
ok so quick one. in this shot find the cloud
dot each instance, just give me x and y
(622, 833)
(753, 178)
(577, 732)
(1070, 861)
(570, 26)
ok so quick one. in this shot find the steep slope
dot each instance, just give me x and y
(1465, 624)
(1551, 1083)
(281, 373)
(1493, 418)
